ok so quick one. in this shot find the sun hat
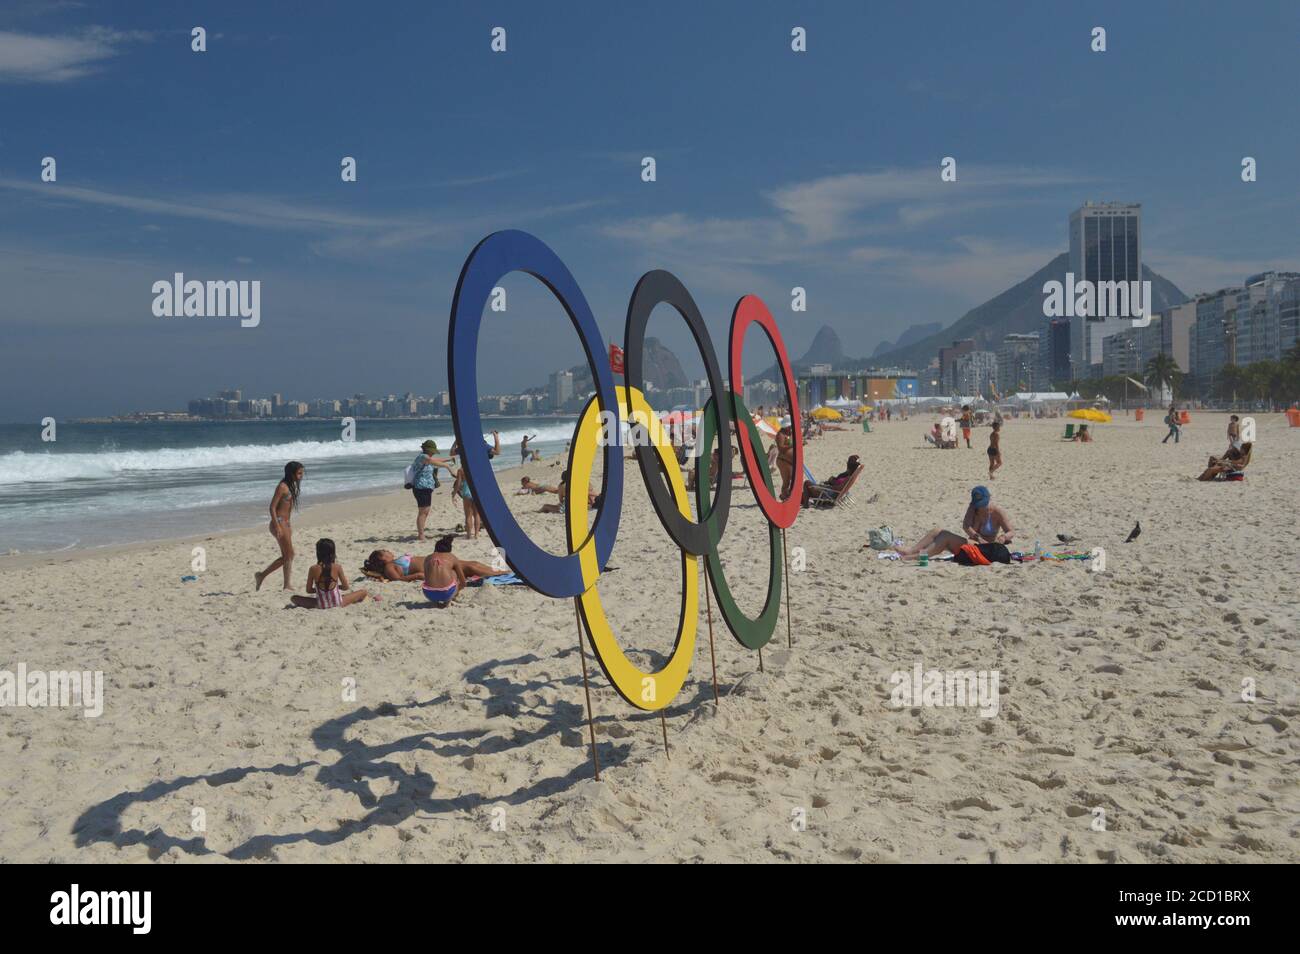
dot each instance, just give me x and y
(429, 447)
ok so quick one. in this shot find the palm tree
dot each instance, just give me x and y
(1161, 372)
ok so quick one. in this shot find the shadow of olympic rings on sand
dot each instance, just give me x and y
(359, 764)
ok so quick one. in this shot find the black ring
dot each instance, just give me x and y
(692, 536)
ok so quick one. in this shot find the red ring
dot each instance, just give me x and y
(781, 513)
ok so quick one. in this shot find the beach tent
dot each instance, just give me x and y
(1039, 397)
(841, 402)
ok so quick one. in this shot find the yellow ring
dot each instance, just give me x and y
(645, 690)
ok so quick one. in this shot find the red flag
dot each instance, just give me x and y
(616, 359)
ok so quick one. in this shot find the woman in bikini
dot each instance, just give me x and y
(283, 503)
(326, 582)
(393, 567)
(995, 448)
(785, 459)
(983, 523)
(445, 574)
(473, 519)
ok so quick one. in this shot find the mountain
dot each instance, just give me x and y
(660, 368)
(1019, 309)
(825, 349)
(910, 336)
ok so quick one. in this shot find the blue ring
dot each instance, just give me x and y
(492, 259)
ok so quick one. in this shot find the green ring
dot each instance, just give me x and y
(751, 633)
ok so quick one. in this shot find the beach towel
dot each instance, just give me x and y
(508, 579)
(982, 554)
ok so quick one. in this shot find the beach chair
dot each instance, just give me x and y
(1235, 468)
(1069, 433)
(823, 495)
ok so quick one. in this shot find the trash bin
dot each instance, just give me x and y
(1185, 418)
(1293, 416)
(1139, 413)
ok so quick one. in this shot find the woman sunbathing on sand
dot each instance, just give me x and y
(983, 523)
(445, 574)
(326, 582)
(393, 567)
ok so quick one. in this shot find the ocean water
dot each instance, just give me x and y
(105, 484)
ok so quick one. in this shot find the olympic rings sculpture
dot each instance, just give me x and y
(576, 573)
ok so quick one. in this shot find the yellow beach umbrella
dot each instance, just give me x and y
(827, 414)
(1090, 414)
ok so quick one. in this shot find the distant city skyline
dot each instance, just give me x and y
(774, 169)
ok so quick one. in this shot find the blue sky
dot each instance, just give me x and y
(775, 169)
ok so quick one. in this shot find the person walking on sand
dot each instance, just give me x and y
(995, 448)
(424, 482)
(967, 419)
(1172, 420)
(283, 503)
(1234, 433)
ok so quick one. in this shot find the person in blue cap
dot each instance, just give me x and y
(984, 523)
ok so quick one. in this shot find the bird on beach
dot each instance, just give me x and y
(1066, 537)
(1135, 532)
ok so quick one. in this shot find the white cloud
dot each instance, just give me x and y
(29, 58)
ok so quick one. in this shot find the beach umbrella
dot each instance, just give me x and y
(827, 414)
(1090, 414)
(764, 427)
(677, 417)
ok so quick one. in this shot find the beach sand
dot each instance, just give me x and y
(228, 733)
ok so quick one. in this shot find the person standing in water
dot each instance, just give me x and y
(995, 448)
(283, 503)
(524, 452)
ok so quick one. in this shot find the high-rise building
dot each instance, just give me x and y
(561, 389)
(1215, 333)
(1105, 246)
(1017, 363)
(975, 373)
(947, 361)
(1053, 354)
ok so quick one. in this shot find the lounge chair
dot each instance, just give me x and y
(1069, 433)
(1226, 469)
(824, 495)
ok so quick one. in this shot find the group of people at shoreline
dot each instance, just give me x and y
(986, 528)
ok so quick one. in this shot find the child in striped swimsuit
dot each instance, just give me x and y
(326, 582)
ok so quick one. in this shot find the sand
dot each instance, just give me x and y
(1121, 734)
